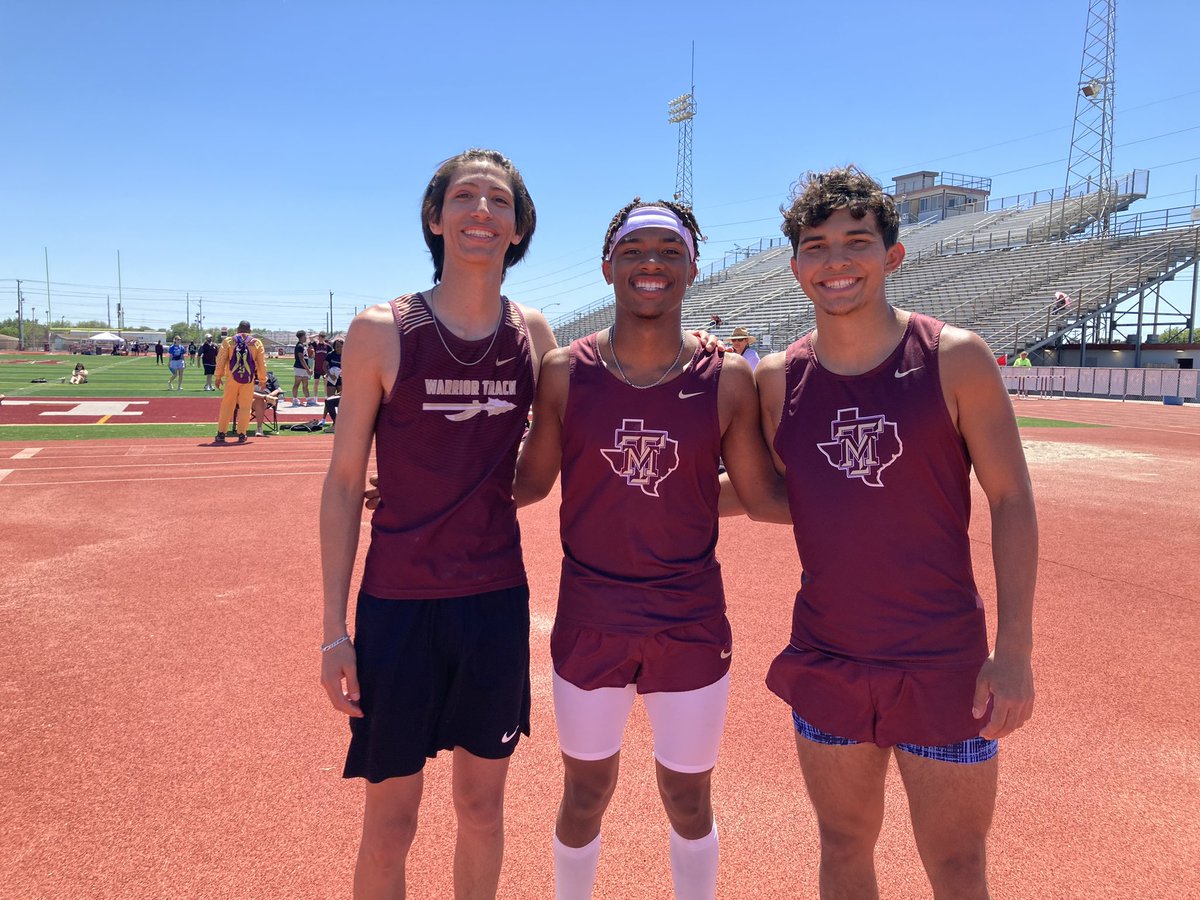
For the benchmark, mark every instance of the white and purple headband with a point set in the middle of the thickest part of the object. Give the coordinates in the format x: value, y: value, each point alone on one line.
x: 653, y: 217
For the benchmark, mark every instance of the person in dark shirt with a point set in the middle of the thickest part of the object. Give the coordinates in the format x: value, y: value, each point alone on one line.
x: 208, y: 358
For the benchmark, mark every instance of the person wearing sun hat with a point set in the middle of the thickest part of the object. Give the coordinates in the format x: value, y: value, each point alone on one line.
x: 742, y: 341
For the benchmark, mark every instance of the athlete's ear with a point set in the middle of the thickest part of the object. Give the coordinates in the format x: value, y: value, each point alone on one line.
x: 692, y: 274
x: 435, y: 221
x: 895, y: 256
x: 606, y: 268
x: 517, y: 238
x: 792, y: 264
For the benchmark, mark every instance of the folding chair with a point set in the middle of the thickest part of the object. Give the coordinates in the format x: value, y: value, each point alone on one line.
x: 270, y: 415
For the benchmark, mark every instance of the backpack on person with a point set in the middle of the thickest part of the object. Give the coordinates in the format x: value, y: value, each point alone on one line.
x: 241, y: 362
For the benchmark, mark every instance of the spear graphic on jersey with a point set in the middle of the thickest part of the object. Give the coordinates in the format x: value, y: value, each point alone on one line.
x: 458, y: 412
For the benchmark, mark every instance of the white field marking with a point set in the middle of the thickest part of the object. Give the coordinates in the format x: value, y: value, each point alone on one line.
x: 4, y: 473
x: 540, y: 623
x: 27, y: 453
x: 169, y: 478
x: 157, y: 465
x: 88, y: 409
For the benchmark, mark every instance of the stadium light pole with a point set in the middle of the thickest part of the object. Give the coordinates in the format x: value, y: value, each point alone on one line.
x: 681, y: 111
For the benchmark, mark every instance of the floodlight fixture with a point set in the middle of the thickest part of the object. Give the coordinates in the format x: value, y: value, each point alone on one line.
x: 681, y: 109
x: 1092, y: 89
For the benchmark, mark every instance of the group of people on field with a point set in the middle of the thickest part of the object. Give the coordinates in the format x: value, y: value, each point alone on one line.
x: 862, y: 436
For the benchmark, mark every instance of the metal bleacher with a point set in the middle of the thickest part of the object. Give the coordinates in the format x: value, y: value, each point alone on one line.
x: 992, y: 271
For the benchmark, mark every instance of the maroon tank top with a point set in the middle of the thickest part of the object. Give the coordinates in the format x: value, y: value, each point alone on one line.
x: 446, y: 442
x: 639, y: 497
x: 878, y: 481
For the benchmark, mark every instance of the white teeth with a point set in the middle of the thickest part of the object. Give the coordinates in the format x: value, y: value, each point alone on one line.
x: 839, y: 283
x: 649, y: 285
x: 471, y: 232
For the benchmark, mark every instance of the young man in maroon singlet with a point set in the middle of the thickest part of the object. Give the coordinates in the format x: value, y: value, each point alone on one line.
x: 639, y: 417
x: 441, y: 381
x: 876, y: 418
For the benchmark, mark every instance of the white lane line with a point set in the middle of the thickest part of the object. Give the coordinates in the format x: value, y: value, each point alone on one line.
x: 4, y: 473
x: 27, y: 453
x: 168, y: 478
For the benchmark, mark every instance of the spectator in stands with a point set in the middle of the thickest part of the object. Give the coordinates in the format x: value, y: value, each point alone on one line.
x: 301, y: 371
x: 877, y: 418
x: 266, y: 397
x: 1061, y: 301
x: 715, y: 321
x: 742, y: 341
x: 208, y: 358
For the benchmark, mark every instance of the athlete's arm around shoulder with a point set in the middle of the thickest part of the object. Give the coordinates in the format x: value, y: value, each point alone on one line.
x: 370, y: 360
x: 541, y: 455
x: 541, y: 336
x: 980, y: 407
x: 757, y: 485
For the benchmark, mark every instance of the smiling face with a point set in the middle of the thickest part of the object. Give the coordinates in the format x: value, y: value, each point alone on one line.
x: 477, y: 222
x: 842, y: 263
x: 650, y: 269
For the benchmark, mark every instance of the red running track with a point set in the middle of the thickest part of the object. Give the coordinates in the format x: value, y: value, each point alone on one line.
x: 163, y: 733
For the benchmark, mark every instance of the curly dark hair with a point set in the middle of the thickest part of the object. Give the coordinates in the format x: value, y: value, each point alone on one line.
x: 818, y: 195
x: 435, y: 195
x: 686, y: 216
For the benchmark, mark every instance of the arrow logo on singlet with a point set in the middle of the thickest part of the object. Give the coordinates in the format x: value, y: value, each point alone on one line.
x: 459, y: 412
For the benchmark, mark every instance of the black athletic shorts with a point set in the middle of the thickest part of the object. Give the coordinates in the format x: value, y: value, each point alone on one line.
x: 439, y: 674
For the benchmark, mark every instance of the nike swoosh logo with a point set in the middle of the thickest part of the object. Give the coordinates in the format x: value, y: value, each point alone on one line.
x: 725, y: 654
x: 683, y: 396
x: 505, y: 362
x: 510, y: 736
x: 900, y: 374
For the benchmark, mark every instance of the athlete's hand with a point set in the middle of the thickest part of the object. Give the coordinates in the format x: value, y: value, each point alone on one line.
x: 371, y: 494
x: 218, y: 383
x: 339, y: 677
x: 710, y: 342
x: 1008, y: 681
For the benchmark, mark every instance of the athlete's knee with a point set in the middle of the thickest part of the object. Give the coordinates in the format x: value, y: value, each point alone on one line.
x: 480, y: 810
x: 960, y: 871
x: 846, y: 838
x: 586, y: 797
x: 386, y: 840
x: 687, y: 800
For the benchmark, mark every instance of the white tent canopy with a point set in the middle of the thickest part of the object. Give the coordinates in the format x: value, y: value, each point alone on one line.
x: 108, y: 336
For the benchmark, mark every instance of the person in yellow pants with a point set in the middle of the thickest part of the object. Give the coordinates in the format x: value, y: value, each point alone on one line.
x: 240, y: 364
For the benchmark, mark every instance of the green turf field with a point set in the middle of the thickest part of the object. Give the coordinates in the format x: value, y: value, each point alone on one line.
x: 1028, y: 422
x: 112, y: 376
x: 108, y: 376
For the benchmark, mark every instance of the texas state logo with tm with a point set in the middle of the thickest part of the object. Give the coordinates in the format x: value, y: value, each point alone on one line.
x: 642, y: 456
x: 862, y: 446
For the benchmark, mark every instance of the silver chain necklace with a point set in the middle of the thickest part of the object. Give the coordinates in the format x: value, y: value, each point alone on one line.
x: 438, y: 329
x: 612, y: 346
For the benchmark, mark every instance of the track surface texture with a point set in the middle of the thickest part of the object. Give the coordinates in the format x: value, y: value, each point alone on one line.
x: 163, y: 733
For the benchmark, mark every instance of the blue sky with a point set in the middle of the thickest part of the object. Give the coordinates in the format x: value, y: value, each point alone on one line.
x: 261, y: 154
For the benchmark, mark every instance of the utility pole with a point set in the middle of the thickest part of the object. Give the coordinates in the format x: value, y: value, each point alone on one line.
x: 108, y: 307
x: 20, y: 318
x: 329, y: 330
x: 119, y: 295
x: 187, y: 308
x: 49, y: 317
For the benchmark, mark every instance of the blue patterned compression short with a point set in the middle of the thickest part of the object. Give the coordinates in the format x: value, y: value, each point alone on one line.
x: 972, y: 750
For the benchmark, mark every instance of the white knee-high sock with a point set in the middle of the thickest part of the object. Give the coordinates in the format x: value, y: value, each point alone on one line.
x: 575, y: 869
x: 694, y: 866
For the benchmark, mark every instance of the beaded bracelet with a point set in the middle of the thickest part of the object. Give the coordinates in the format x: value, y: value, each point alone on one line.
x: 332, y: 644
